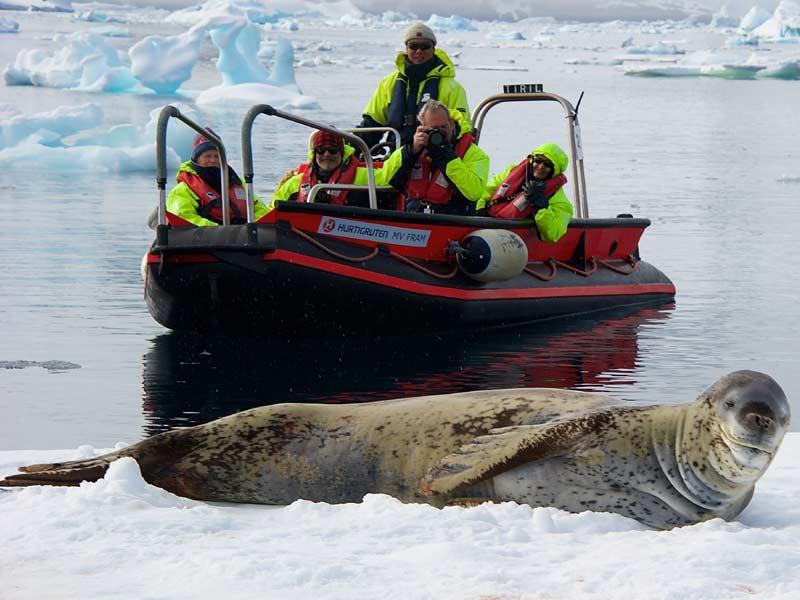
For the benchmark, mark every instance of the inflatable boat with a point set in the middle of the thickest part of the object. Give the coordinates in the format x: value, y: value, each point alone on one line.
x: 322, y: 269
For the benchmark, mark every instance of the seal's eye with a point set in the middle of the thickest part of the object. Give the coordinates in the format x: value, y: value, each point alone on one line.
x: 730, y: 403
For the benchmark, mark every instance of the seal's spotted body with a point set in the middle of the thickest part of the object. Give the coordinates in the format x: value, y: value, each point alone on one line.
x: 663, y: 465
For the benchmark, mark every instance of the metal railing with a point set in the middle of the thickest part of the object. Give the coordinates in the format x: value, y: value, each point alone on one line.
x: 164, y: 116
x: 247, y: 151
x: 575, y: 144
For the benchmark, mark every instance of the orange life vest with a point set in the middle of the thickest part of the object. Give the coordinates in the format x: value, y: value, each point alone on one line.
x: 433, y: 186
x: 211, y: 202
x: 510, y: 189
x: 309, y: 180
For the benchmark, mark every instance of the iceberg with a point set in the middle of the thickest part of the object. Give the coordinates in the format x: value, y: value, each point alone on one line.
x: 83, y: 61
x: 450, y: 23
x: 279, y: 89
x: 37, y: 5
x: 784, y: 24
x: 67, y: 139
x: 163, y: 63
x: 755, y: 17
x: 722, y: 18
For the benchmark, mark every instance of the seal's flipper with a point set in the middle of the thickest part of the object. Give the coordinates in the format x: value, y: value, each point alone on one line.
x: 502, y: 449
x: 67, y: 473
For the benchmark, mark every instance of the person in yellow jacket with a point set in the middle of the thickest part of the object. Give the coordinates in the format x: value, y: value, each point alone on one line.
x: 442, y: 170
x: 533, y: 186
x: 330, y: 160
x: 423, y: 72
x: 197, y: 199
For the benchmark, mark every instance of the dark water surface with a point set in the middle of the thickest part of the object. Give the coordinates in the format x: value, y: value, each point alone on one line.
x: 714, y: 164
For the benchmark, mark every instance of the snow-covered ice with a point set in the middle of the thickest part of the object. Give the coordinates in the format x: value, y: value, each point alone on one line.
x: 122, y: 537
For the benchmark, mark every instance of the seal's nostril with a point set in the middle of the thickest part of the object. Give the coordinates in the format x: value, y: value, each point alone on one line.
x: 761, y: 422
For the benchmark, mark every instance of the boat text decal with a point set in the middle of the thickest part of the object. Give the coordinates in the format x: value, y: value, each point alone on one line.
x: 374, y: 231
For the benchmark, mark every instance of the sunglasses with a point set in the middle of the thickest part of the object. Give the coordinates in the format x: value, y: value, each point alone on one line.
x: 413, y: 46
x: 541, y: 160
x: 328, y: 149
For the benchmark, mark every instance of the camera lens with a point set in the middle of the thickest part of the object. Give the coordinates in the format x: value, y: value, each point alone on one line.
x: 435, y: 137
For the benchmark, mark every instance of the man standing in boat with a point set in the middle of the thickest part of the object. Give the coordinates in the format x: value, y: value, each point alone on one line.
x: 197, y: 199
x: 423, y: 72
x: 330, y: 160
x: 441, y: 170
x: 532, y: 187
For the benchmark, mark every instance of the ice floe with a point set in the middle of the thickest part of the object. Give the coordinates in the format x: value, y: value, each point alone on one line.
x: 8, y: 25
x: 53, y: 366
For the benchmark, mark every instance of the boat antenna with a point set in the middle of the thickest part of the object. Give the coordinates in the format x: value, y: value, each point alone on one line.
x: 578, y: 105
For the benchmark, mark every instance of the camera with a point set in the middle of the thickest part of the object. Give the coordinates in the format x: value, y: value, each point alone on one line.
x: 436, y: 137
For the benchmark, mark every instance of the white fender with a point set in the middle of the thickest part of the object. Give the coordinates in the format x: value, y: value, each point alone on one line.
x: 492, y: 255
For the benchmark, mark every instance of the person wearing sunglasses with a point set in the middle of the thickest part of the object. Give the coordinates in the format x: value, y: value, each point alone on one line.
x: 441, y: 170
x: 423, y: 72
x: 532, y: 187
x: 197, y: 199
x: 330, y: 160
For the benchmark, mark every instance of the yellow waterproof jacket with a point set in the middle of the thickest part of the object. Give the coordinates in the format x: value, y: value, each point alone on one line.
x: 450, y: 93
x: 552, y: 221
x: 182, y: 201
x: 289, y: 186
x: 468, y: 174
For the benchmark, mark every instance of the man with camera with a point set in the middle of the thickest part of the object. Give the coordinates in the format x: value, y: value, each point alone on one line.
x: 442, y: 170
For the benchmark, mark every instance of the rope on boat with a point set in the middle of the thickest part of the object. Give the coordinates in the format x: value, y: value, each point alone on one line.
x: 630, y: 260
x: 568, y: 267
x: 324, y: 248
x: 594, y: 262
x: 550, y: 263
x: 425, y: 270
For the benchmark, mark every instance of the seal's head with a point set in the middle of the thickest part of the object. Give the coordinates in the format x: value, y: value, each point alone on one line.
x: 752, y: 415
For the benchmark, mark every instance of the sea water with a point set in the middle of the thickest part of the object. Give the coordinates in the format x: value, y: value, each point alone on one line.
x: 714, y: 163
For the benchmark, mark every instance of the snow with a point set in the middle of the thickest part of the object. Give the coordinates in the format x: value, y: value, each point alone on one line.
x: 122, y: 537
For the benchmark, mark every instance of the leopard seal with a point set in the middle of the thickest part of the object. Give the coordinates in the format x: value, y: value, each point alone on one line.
x: 663, y: 465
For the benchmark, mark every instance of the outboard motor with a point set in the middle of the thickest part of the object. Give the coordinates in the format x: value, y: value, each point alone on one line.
x: 491, y: 255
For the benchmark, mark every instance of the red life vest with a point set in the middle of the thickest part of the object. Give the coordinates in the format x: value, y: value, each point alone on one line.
x: 434, y: 187
x: 500, y: 205
x: 309, y: 180
x: 211, y: 202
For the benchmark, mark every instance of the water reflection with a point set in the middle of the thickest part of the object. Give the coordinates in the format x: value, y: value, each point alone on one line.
x: 189, y: 380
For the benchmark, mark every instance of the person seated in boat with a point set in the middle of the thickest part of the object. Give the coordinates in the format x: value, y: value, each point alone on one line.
x: 423, y: 71
x: 330, y: 160
x: 197, y: 198
x: 441, y: 170
x: 534, y: 186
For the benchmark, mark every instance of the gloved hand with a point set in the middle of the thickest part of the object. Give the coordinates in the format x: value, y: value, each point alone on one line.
x: 534, y: 193
x: 322, y: 197
x: 441, y: 155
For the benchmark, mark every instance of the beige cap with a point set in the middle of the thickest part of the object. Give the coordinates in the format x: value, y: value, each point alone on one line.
x: 419, y: 31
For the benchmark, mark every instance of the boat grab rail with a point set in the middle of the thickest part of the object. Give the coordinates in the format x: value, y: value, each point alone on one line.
x: 164, y: 116
x: 575, y: 143
x: 266, y: 109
